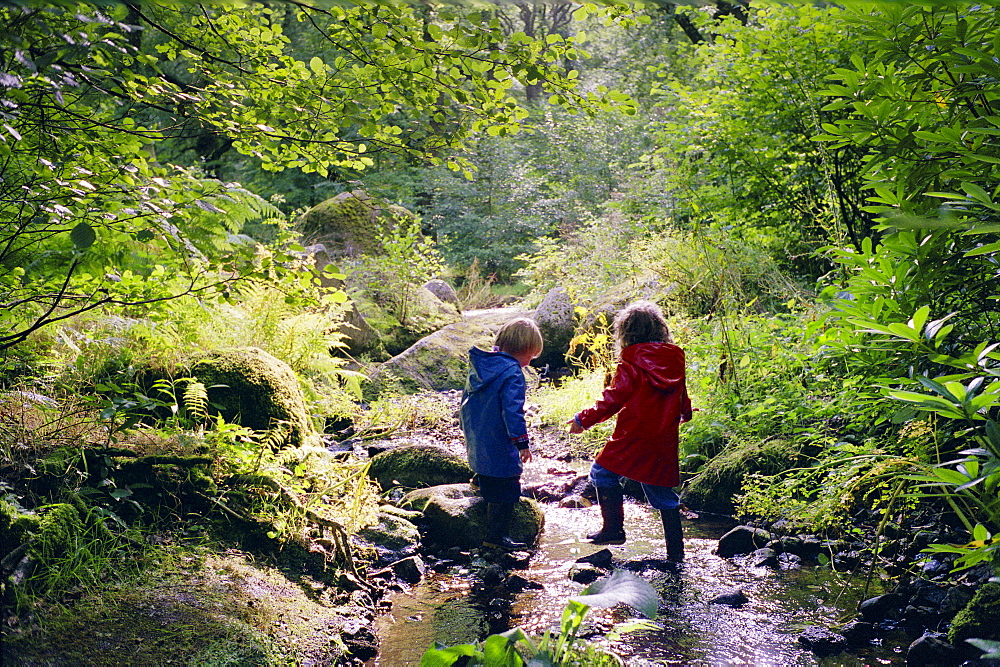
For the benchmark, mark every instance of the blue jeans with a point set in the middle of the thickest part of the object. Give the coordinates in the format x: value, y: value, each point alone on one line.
x: 660, y: 497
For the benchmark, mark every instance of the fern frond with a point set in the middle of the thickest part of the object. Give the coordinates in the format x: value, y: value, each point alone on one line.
x: 196, y: 400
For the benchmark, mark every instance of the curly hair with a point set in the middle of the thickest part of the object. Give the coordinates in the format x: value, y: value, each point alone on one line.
x: 641, y: 322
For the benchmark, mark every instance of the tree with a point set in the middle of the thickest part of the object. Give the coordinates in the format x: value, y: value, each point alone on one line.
x: 92, y: 219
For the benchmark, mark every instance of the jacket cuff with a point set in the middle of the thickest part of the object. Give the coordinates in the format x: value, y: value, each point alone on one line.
x: 520, y: 441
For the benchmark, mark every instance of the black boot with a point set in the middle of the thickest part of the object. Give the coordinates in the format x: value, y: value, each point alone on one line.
x: 613, y: 516
x: 498, y: 517
x: 673, y: 534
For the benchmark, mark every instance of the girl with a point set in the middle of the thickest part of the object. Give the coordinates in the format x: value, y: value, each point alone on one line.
x: 650, y: 397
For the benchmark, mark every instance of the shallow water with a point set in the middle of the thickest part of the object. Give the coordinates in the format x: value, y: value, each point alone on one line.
x: 451, y: 608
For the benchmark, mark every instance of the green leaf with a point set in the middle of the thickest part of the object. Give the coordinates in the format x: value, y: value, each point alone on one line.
x: 83, y: 236
x: 621, y: 587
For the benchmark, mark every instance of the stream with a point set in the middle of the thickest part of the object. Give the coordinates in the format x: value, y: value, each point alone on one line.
x: 455, y: 606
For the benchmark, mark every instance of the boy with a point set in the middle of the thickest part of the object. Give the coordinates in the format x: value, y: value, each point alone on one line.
x: 492, y: 417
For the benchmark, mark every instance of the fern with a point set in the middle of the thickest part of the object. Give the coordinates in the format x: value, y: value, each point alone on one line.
x: 196, y: 400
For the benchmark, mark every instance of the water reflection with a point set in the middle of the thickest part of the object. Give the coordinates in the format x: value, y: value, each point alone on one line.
x: 763, y: 631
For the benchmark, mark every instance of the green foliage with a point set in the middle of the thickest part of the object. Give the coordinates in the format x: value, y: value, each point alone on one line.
x: 514, y: 648
x: 406, y: 260
x: 734, y: 143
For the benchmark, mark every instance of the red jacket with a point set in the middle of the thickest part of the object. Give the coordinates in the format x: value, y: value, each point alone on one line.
x: 649, y: 395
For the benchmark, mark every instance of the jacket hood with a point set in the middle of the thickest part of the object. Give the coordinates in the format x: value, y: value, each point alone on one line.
x: 487, y: 367
x: 662, y: 362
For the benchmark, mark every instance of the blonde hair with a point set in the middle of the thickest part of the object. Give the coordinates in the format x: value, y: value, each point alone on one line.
x: 518, y: 336
x: 641, y: 322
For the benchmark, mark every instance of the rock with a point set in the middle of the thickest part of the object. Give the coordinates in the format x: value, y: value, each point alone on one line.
x: 350, y: 223
x: 878, y: 608
x: 417, y: 499
x: 556, y: 320
x: 416, y: 466
x: 601, y: 559
x: 392, y: 532
x: 712, y: 490
x: 764, y: 558
x: 733, y: 598
x: 931, y: 649
x: 858, y: 633
x: 822, y: 641
x: 254, y: 389
x: 450, y: 521
x: 806, y: 547
x: 955, y: 599
x: 443, y: 291
x: 516, y: 560
x: 438, y: 361
x: 575, y: 501
x: 585, y: 575
x: 411, y: 570
x: 980, y: 619
x: 515, y: 583
x: 742, y: 540
x: 789, y: 561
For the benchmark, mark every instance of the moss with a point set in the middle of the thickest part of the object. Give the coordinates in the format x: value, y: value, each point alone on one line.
x: 350, y: 223
x: 15, y: 525
x: 713, y: 489
x: 980, y: 619
x: 414, y: 466
x: 254, y: 389
x: 193, y: 608
x: 58, y: 530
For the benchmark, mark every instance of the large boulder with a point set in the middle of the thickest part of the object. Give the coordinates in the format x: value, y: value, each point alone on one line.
x: 722, y: 477
x: 556, y: 320
x: 425, y: 314
x: 254, y: 389
x: 436, y: 362
x: 455, y: 516
x: 443, y: 291
x: 350, y: 223
x: 416, y: 466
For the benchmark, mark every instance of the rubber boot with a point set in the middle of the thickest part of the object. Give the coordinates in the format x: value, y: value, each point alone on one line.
x: 613, y: 516
x: 673, y: 534
x: 498, y: 518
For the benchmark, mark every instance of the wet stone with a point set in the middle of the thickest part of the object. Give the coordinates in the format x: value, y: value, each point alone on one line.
x: 601, y: 559
x: 517, y: 560
x: 931, y: 649
x: 858, y: 633
x: 585, y: 575
x: 575, y: 501
x: 516, y: 583
x: 789, y: 561
x: 411, y: 570
x: 822, y: 641
x: 878, y: 608
x: 764, y: 558
x: 731, y: 598
x: 742, y: 540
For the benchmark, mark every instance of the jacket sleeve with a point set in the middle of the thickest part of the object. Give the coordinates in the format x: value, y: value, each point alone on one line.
x: 614, y: 398
x: 512, y: 407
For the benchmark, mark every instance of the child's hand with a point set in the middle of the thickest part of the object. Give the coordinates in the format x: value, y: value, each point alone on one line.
x: 574, y: 426
x: 525, y: 455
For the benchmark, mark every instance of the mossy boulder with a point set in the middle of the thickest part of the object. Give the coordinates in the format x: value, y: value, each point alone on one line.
x: 455, y: 516
x: 426, y: 314
x: 256, y: 390
x: 415, y: 466
x: 712, y: 490
x: 350, y: 223
x: 980, y: 619
x: 58, y: 530
x: 15, y: 525
x: 436, y: 362
x: 393, y: 533
x: 556, y: 320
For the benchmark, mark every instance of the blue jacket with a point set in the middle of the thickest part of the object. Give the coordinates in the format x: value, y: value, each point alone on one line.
x: 492, y: 414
